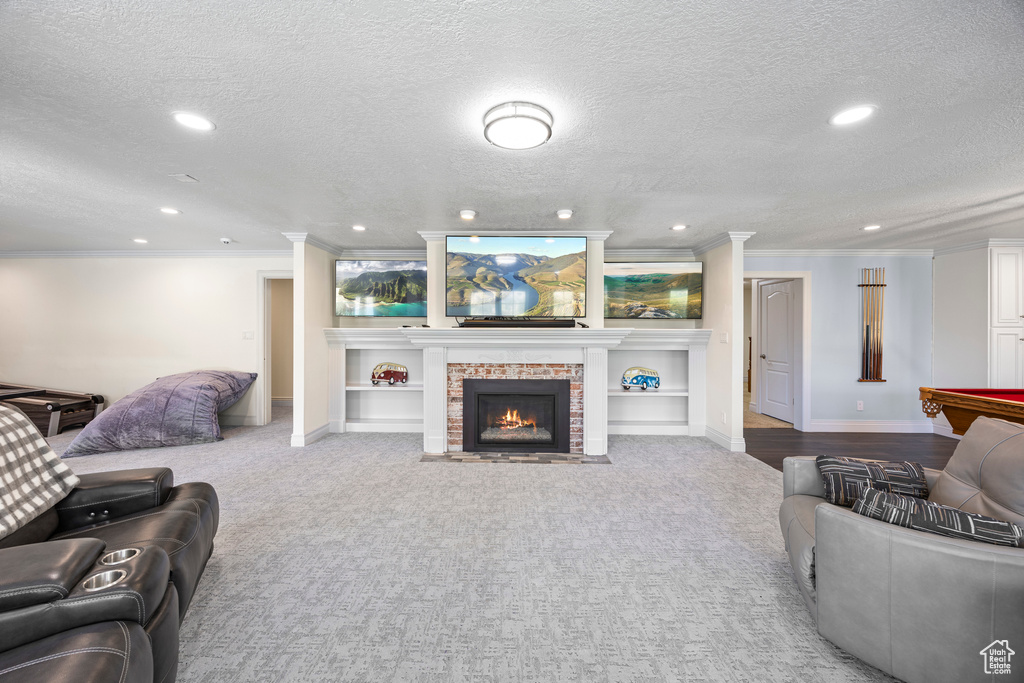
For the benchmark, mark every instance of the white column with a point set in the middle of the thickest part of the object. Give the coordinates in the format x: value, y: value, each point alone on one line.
x: 595, y: 283
x: 336, y: 381
x: 436, y: 273
x: 697, y: 400
x: 595, y: 401
x: 435, y: 399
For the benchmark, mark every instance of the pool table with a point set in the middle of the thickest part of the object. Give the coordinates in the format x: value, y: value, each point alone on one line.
x: 961, y: 406
x: 51, y: 410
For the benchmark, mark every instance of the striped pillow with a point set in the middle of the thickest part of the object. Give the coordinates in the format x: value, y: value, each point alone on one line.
x: 914, y: 513
x: 846, y: 478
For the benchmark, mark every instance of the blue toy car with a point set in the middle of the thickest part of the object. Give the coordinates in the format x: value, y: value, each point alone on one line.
x: 640, y: 377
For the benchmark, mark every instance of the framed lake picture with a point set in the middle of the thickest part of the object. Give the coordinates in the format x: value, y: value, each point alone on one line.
x: 654, y: 290
x: 380, y: 288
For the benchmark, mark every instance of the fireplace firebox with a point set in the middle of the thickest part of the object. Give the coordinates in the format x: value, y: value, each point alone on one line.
x: 515, y: 415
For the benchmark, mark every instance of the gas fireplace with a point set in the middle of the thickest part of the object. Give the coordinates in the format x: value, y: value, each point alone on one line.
x: 511, y: 415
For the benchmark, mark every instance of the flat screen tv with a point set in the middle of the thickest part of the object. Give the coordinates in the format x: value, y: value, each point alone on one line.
x: 535, y: 277
x: 380, y: 288
x: 653, y: 290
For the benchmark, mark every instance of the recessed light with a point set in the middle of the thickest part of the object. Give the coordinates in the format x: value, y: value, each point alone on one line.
x: 194, y: 121
x: 359, y: 228
x: 678, y: 227
x: 169, y: 210
x: 871, y: 227
x: 564, y: 213
x: 474, y: 238
x: 140, y: 241
x: 852, y: 115
x: 467, y: 214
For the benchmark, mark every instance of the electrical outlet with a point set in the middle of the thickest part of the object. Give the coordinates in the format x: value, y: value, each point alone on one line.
x: 860, y: 405
x: 723, y: 417
x: 248, y: 334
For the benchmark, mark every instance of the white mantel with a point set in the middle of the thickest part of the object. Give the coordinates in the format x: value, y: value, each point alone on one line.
x: 589, y: 347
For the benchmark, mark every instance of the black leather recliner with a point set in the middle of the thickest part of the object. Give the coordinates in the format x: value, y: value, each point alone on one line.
x: 111, y: 569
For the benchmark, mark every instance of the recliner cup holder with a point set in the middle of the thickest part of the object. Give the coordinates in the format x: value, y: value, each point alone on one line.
x: 120, y: 556
x: 106, y: 579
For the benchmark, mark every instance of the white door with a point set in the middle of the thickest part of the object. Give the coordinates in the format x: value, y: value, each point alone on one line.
x: 776, y: 364
x: 1006, y: 362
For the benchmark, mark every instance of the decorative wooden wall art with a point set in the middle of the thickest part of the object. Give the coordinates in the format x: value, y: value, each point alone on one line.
x: 872, y: 284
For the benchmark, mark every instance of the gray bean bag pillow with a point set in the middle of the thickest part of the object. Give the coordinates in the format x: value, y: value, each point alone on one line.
x: 178, y: 410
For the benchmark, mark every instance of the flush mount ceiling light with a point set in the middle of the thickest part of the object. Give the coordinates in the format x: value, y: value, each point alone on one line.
x: 853, y: 115
x: 467, y: 214
x: 517, y: 125
x: 564, y: 213
x: 678, y: 227
x: 168, y: 210
x: 871, y: 227
x: 359, y: 228
x: 194, y: 121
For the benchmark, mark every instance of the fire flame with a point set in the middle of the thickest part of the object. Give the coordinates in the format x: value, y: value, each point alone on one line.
x: 511, y: 420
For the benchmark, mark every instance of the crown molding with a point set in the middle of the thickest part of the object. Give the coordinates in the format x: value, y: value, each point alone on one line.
x: 207, y: 253
x: 652, y: 255
x: 313, y: 241
x: 798, y: 253
x: 591, y: 235
x: 383, y: 255
x: 981, y: 244
x: 723, y: 239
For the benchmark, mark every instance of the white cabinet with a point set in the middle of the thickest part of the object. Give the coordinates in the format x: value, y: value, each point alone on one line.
x: 1006, y: 317
x: 1007, y: 287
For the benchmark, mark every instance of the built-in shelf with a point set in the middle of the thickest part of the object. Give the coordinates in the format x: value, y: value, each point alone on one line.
x: 384, y: 386
x: 383, y: 425
x: 649, y: 392
x: 649, y: 427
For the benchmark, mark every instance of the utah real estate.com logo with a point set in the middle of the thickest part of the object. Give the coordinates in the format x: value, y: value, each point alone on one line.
x: 997, y: 657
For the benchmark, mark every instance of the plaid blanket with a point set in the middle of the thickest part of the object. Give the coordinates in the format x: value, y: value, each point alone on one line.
x: 32, y: 478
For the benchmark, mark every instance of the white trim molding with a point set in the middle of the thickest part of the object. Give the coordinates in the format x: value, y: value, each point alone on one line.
x: 313, y: 241
x: 980, y: 244
x: 594, y: 235
x: 647, y: 255
x: 723, y: 239
x: 879, y: 426
x: 735, y: 444
x: 227, y: 252
x: 804, y: 253
x: 299, y: 440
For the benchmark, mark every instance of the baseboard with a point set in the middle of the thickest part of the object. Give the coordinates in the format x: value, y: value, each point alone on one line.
x: 945, y: 430
x: 281, y: 402
x: 882, y: 426
x: 738, y: 445
x: 300, y: 440
x: 237, y: 420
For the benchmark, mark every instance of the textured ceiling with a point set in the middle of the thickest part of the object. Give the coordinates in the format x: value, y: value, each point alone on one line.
x: 710, y: 113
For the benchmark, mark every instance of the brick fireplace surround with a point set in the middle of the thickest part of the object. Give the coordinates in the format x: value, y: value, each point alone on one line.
x: 570, y: 371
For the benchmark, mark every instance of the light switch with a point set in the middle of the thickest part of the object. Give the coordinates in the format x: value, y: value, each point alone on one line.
x: 723, y: 337
x: 249, y: 335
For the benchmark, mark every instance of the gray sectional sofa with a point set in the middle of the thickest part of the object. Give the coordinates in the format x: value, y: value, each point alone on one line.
x: 919, y: 606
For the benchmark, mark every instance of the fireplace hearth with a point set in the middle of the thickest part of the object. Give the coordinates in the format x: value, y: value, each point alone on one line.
x: 521, y: 416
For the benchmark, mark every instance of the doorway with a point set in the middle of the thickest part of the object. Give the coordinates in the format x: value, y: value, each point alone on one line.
x: 276, y: 311
x: 778, y: 315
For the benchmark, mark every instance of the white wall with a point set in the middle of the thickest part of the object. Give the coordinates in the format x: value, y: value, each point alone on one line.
x: 723, y: 313
x: 112, y: 325
x: 314, y: 302
x: 960, y: 345
x: 892, y: 405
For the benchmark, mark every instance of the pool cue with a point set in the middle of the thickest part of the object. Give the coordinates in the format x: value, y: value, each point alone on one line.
x: 881, y: 317
x: 866, y: 326
x: 874, y: 323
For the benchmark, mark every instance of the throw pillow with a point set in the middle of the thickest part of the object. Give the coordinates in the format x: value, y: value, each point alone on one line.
x: 178, y: 410
x: 922, y: 515
x: 845, y: 478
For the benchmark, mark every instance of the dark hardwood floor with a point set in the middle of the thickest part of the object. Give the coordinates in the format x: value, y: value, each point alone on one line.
x: 770, y: 446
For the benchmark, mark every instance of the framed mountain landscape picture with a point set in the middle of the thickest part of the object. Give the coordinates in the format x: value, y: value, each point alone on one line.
x: 654, y: 290
x: 380, y: 288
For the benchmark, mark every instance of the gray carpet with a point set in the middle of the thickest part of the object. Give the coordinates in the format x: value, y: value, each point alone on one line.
x: 351, y: 560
